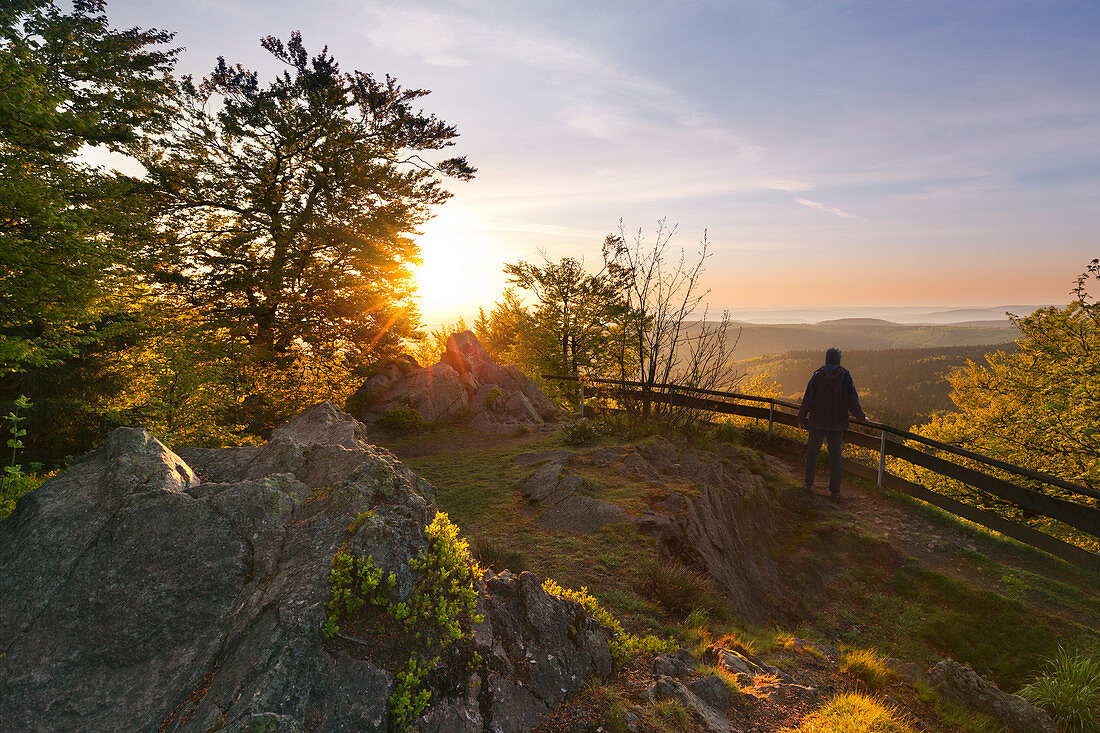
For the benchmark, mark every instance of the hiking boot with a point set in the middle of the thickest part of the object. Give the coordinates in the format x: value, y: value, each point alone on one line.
x: 835, y: 496
x: 808, y: 490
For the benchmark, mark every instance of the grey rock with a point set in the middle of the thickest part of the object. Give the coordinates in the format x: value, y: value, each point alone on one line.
x: 665, y: 665
x: 726, y: 529
x: 133, y: 597
x: 583, y: 515
x: 966, y: 687
x: 711, y: 720
x: 713, y: 691
x: 909, y: 671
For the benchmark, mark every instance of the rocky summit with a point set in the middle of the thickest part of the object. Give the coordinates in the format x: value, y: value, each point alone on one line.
x: 145, y: 590
x: 466, y: 385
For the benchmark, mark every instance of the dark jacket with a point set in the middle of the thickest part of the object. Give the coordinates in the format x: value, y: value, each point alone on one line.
x: 830, y: 397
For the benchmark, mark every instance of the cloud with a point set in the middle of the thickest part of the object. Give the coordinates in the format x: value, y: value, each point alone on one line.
x: 788, y: 185
x: 828, y: 209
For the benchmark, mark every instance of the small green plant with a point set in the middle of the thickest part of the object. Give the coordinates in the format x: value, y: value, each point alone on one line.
x: 361, y: 519
x: 494, y: 399
x: 441, y: 612
x: 410, y: 697
x: 581, y: 433
x: 623, y: 645
x: 354, y: 583
x: 1068, y: 688
x: 13, y: 471
x: 402, y: 419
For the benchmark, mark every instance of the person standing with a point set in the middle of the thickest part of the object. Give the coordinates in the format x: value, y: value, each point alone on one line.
x: 830, y: 397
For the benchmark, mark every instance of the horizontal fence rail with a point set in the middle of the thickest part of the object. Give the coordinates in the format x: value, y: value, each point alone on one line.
x: 1079, y: 516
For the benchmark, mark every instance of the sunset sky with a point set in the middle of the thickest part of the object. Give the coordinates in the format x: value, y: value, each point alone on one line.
x: 838, y: 152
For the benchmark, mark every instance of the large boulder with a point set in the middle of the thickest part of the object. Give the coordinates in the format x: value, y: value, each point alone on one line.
x: 466, y: 385
x: 964, y: 686
x: 138, y: 592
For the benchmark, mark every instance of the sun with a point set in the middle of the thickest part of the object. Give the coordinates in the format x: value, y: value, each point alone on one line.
x: 459, y: 273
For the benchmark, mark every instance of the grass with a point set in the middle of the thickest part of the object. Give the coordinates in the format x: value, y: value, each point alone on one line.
x: 680, y: 589
x: 1068, y: 688
x: 853, y: 713
x: 865, y: 664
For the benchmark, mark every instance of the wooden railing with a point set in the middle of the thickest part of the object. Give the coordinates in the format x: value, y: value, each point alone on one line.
x: 1077, y: 515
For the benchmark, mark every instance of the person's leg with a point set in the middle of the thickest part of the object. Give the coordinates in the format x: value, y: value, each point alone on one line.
x: 813, y: 447
x: 836, y: 450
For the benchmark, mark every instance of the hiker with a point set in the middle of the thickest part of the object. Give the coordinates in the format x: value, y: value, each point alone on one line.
x: 830, y: 397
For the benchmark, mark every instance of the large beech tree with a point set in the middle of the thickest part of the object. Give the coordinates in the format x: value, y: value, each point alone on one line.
x: 70, y: 232
x: 294, y: 204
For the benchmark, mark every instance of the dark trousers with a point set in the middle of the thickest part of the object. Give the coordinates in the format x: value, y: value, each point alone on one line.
x: 835, y: 439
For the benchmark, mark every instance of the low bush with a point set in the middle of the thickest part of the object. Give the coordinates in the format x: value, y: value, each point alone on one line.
x: 402, y: 419
x: 1068, y: 688
x: 580, y: 433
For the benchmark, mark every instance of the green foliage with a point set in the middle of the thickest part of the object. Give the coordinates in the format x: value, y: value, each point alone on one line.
x: 73, y: 234
x: 402, y: 419
x: 354, y: 583
x: 444, y: 606
x: 360, y: 519
x: 1069, y: 689
x: 17, y: 487
x: 13, y: 471
x: 623, y: 645
x: 410, y: 697
x: 1037, y: 407
x: 575, y: 318
x: 440, y: 615
x: 865, y: 664
x: 582, y: 432
x: 295, y: 203
x: 494, y: 399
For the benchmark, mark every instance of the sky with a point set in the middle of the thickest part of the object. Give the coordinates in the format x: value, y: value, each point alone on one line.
x: 835, y: 152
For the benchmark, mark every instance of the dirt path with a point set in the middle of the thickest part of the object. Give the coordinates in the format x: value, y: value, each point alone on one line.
x: 962, y: 551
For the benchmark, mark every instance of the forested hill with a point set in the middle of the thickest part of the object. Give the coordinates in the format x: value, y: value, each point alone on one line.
x: 902, y: 387
x: 864, y: 333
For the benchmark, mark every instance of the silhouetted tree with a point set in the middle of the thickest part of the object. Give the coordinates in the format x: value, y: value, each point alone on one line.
x: 295, y: 204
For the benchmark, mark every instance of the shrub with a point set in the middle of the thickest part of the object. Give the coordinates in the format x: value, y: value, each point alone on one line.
x: 489, y: 554
x: 623, y: 645
x: 402, y: 419
x: 681, y: 589
x: 494, y: 399
x: 581, y: 433
x: 1069, y: 690
x: 852, y: 713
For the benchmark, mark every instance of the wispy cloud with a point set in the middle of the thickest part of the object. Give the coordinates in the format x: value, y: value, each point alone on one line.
x: 835, y: 211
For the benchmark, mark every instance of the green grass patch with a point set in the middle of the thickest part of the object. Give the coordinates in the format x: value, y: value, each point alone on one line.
x: 1069, y: 689
x: 853, y: 713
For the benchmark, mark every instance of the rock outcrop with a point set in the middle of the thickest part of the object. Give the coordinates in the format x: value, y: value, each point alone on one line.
x: 554, y: 487
x: 144, y: 590
x: 721, y: 522
x: 466, y: 385
x: 966, y: 687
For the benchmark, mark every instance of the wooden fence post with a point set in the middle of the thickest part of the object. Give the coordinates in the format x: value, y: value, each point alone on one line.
x: 882, y: 459
x: 771, y: 414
